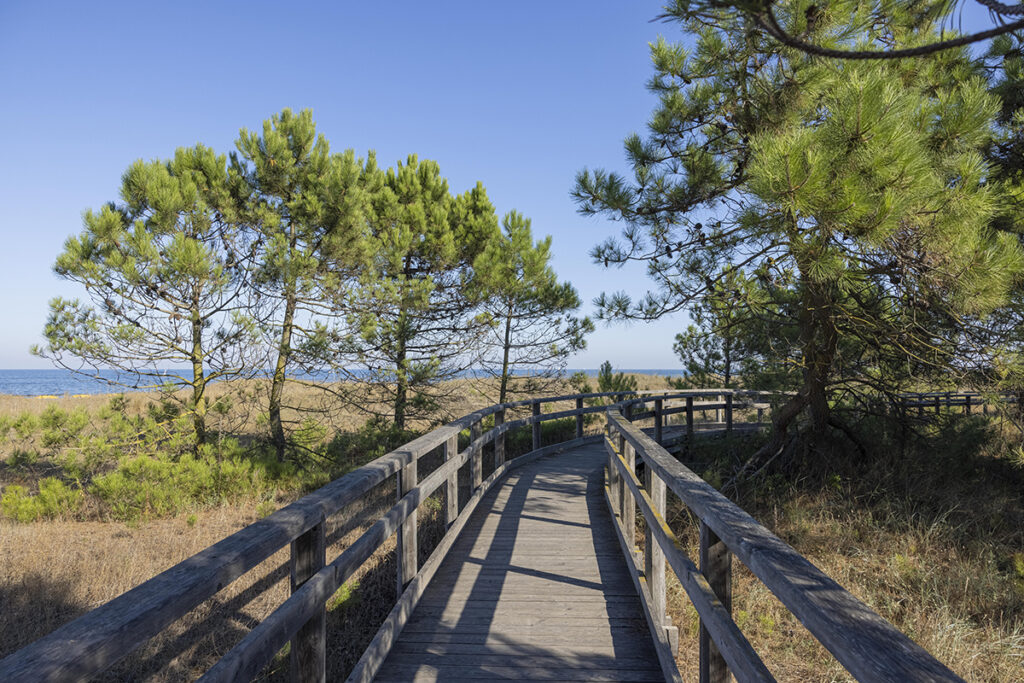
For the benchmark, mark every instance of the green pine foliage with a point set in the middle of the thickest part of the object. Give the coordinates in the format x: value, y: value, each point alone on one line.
x: 305, y: 209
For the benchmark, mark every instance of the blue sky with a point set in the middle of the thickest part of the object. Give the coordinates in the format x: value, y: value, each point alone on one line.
x: 517, y: 95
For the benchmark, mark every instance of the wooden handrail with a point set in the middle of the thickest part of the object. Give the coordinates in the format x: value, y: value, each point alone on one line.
x: 867, y: 645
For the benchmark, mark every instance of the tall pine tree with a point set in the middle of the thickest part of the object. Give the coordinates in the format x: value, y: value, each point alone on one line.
x: 308, y: 208
x: 167, y: 271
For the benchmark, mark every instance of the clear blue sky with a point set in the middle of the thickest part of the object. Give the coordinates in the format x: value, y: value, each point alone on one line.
x: 517, y: 95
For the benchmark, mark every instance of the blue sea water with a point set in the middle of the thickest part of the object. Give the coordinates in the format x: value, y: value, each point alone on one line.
x: 57, y: 382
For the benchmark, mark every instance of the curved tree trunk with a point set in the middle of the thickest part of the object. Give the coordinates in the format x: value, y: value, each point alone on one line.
x: 277, y: 382
x: 504, y: 361
x: 198, y: 383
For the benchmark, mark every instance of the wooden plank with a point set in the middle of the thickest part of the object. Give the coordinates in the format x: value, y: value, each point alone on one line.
x: 407, y: 548
x: 716, y: 565
x: 451, y: 511
x: 520, y: 660
x: 525, y: 671
x: 532, y: 585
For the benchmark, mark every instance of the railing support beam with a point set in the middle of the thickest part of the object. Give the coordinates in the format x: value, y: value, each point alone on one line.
x: 689, y: 425
x: 499, y: 441
x: 579, y: 418
x: 308, y: 658
x: 658, y: 420
x: 728, y: 414
x: 407, y: 553
x: 476, y: 459
x: 536, y: 425
x: 716, y: 565
x: 654, y: 559
x: 451, y: 486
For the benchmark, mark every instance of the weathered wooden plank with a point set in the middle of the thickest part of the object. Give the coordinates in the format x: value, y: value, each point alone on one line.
x: 526, y: 670
x: 530, y: 660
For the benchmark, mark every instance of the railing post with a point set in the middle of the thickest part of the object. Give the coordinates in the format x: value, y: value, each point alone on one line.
x: 579, y: 417
x: 627, y: 501
x: 658, y: 430
x: 689, y: 425
x: 654, y: 559
x: 716, y: 565
x: 728, y: 414
x: 967, y: 404
x: 476, y: 457
x: 938, y: 404
x: 499, y: 440
x: 309, y: 645
x: 451, y: 449
x: 536, y: 425
x: 406, y: 550
x: 613, y: 472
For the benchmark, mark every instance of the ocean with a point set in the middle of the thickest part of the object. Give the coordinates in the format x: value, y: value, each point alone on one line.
x: 57, y: 382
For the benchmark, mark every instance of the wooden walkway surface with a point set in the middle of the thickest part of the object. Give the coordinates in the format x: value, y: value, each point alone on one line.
x: 535, y: 588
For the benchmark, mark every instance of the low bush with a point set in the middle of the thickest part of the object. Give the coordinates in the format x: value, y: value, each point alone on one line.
x: 55, y: 499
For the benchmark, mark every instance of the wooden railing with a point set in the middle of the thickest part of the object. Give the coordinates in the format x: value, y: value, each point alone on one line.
x: 937, y: 400
x: 869, y: 647
x: 97, y: 640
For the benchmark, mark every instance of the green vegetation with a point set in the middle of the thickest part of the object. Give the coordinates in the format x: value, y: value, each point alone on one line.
x: 118, y: 463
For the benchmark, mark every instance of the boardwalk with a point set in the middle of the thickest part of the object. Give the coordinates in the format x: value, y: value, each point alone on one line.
x: 535, y: 588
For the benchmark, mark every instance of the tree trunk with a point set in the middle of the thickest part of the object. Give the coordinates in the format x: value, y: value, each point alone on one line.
x: 198, y: 382
x: 401, y: 379
x: 504, y: 360
x: 820, y: 341
x: 284, y: 352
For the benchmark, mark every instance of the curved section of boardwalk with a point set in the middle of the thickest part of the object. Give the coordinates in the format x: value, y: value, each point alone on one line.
x: 535, y: 588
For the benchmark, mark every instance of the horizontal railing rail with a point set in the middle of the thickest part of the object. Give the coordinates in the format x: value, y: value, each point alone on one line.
x: 97, y: 640
x: 863, y: 642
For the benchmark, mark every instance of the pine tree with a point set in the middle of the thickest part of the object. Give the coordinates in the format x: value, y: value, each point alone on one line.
x: 308, y: 208
x: 531, y: 311
x: 167, y: 273
x: 857, y: 187
x: 417, y: 311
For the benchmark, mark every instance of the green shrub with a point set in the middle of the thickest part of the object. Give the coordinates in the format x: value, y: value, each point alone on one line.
x: 55, y: 499
x: 349, y: 450
x: 18, y: 504
x: 145, y: 486
x: 25, y: 425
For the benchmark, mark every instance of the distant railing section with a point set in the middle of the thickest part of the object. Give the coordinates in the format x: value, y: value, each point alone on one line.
x: 926, y: 402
